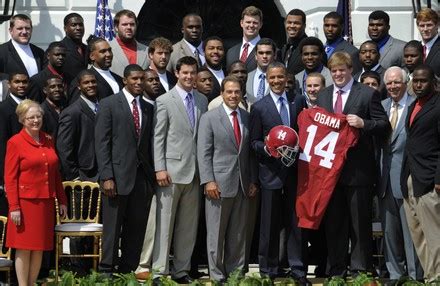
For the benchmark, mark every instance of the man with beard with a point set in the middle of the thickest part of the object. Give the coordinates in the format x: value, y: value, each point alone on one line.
x: 369, y: 57
x: 312, y: 55
x: 101, y: 57
x: 159, y: 53
x: 333, y: 28
x: 191, y: 44
x: 251, y: 23
x: 76, y: 50
x: 53, y: 104
x: 126, y: 50
x: 56, y: 56
x: 295, y: 25
x: 214, y: 55
x: 18, y: 84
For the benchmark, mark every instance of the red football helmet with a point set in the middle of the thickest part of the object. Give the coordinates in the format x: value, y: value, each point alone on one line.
x: 282, y: 142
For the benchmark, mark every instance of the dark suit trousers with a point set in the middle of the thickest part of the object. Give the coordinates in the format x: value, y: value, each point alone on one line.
x: 125, y: 217
x: 348, y: 217
x: 278, y: 212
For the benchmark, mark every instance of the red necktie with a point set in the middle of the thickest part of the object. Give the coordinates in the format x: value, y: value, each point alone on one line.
x: 244, y: 54
x: 338, y: 104
x: 80, y: 50
x: 137, y: 123
x: 424, y: 53
x: 417, y: 108
x: 237, y: 131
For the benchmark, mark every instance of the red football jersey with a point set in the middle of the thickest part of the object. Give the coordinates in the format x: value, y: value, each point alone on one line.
x: 324, y: 139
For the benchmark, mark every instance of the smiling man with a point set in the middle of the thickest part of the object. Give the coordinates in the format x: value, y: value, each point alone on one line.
x: 427, y: 24
x: 214, y: 54
x: 251, y: 23
x: 224, y: 144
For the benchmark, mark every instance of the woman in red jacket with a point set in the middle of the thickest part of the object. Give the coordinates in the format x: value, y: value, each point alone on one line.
x: 32, y: 182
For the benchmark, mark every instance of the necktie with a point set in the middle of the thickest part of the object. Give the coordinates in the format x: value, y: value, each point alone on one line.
x: 237, y: 131
x: 261, y: 86
x: 137, y: 123
x: 80, y: 50
x: 190, y: 109
x: 283, y: 112
x: 96, y: 107
x: 244, y: 54
x: 394, y: 115
x: 338, y: 104
x: 197, y: 56
x: 288, y: 54
x: 424, y: 53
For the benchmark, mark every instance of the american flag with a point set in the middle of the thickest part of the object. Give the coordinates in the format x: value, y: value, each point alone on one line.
x: 344, y: 9
x: 104, y: 21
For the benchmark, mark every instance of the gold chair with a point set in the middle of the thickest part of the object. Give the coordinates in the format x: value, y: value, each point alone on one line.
x: 6, y: 263
x: 82, y: 220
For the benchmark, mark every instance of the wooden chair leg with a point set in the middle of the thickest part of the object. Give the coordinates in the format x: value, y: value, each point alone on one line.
x: 95, y: 252
x: 57, y: 250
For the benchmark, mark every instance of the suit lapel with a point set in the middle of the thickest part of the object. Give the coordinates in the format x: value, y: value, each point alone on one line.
x: 15, y: 55
x: 352, y: 99
x: 327, y: 99
x: 386, y: 48
x: 224, y: 119
x: 144, y: 114
x: 433, y: 52
x: 245, y: 123
x: 181, y: 107
x: 401, y: 123
x: 426, y: 108
x: 126, y: 110
x: 86, y: 109
x: 272, y: 109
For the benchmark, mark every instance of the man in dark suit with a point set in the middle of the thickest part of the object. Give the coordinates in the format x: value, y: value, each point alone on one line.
x: 277, y: 182
x: 159, y: 52
x: 390, y: 48
x: 333, y: 28
x: 295, y: 25
x: 56, y: 56
x: 428, y: 23
x: 76, y: 50
x: 350, y: 206
x: 400, y: 255
x: 420, y: 178
x: 251, y: 23
x: 214, y: 55
x: 123, y: 152
x: 18, y: 84
x: 53, y: 104
x: 75, y: 139
x: 18, y: 55
x: 101, y: 57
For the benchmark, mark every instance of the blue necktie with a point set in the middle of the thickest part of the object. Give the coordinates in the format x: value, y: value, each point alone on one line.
x: 190, y: 109
x: 261, y: 86
x: 283, y: 112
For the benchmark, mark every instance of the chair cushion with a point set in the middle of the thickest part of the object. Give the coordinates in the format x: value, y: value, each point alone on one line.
x: 79, y: 227
x: 6, y: 262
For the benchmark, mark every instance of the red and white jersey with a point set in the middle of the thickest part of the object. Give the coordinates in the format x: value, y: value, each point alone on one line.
x: 324, y: 139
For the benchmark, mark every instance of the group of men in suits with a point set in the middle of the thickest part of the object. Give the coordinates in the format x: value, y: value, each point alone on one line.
x: 221, y: 153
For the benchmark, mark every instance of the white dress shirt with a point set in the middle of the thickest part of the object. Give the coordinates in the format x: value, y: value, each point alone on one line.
x: 109, y: 79
x: 27, y: 57
x: 346, y: 89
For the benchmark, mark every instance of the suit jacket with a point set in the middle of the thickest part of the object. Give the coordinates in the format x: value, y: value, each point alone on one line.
x: 233, y: 55
x: 392, y: 153
x: 171, y: 129
x: 10, y: 61
x: 120, y: 60
x: 37, y: 82
x: 9, y: 126
x: 104, y: 89
x: 421, y: 159
x: 75, y: 141
x: 50, y: 119
x: 345, y: 46
x: 75, y: 62
x: 32, y: 170
x: 299, y: 78
x: 220, y: 158
x: 172, y: 80
x: 180, y: 49
x: 264, y: 116
x: 118, y: 152
x: 294, y: 63
x: 433, y: 58
x: 363, y: 101
x: 252, y: 98
x: 392, y: 53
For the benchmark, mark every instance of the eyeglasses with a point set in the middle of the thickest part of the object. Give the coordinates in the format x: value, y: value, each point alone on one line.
x: 33, y: 118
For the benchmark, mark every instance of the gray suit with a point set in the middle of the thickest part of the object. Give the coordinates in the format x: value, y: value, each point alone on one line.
x: 180, y: 50
x: 399, y: 247
x: 222, y: 161
x: 299, y: 77
x: 392, y: 53
x: 178, y: 205
x: 120, y: 60
x: 252, y: 98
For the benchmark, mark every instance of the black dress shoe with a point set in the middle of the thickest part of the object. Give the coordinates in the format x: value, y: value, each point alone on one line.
x: 196, y: 274
x: 184, y: 280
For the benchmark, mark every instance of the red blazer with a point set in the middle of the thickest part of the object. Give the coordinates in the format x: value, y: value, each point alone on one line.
x: 32, y: 170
